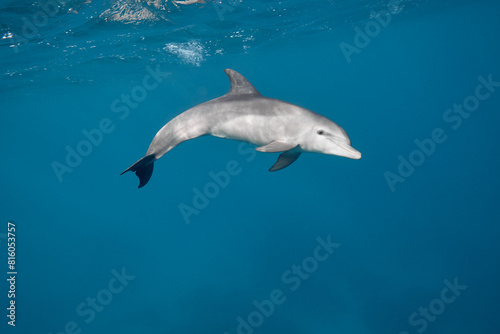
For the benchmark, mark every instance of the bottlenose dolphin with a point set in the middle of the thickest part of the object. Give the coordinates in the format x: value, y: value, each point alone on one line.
x: 243, y: 114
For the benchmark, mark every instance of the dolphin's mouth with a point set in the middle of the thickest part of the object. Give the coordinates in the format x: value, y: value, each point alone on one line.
x: 350, y: 152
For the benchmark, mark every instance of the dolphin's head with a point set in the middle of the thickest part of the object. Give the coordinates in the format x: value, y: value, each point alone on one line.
x: 326, y: 137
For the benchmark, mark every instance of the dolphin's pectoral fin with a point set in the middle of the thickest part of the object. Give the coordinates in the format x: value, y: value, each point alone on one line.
x: 143, y: 169
x: 276, y: 146
x: 285, y: 159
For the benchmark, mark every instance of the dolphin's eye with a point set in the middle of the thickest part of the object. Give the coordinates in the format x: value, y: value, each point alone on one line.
x: 320, y: 132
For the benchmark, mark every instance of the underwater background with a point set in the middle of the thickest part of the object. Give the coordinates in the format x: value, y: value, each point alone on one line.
x: 405, y: 240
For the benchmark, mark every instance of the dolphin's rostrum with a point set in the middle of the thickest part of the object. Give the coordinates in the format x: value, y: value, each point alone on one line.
x: 243, y: 114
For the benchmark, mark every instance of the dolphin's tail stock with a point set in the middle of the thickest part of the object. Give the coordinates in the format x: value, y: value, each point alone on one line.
x: 143, y: 169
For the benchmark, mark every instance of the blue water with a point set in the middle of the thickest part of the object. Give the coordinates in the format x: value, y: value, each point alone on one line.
x: 405, y: 240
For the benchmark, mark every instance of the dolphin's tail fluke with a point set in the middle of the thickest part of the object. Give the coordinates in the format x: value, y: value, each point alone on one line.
x: 143, y: 169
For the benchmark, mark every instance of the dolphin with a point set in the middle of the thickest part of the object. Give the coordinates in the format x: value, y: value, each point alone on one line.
x: 243, y: 114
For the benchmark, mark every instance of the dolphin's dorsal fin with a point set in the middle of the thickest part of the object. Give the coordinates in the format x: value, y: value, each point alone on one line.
x: 239, y: 84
